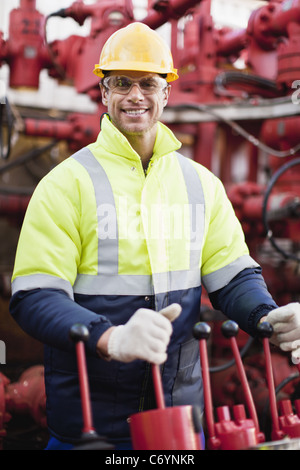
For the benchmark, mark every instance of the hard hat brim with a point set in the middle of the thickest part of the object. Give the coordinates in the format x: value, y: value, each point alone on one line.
x: 136, y: 66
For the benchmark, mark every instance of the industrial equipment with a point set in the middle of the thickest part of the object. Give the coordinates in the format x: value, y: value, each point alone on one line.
x: 166, y: 428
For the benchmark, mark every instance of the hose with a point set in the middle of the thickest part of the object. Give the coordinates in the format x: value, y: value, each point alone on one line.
x: 241, y: 78
x: 10, y: 122
x: 271, y: 184
x: 230, y: 363
x: 31, y: 155
x: 61, y: 72
x: 239, y: 130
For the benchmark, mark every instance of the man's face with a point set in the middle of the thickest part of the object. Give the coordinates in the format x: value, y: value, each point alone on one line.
x: 135, y: 113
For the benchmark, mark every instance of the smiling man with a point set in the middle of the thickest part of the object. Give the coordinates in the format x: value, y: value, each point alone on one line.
x: 120, y: 237
x: 135, y: 105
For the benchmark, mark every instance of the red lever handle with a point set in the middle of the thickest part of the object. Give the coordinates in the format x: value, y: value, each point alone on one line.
x: 265, y: 331
x: 230, y: 330
x: 79, y: 334
x: 158, y: 388
x: 201, y: 331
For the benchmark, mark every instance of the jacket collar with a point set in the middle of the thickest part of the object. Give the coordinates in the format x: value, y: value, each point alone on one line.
x: 114, y: 141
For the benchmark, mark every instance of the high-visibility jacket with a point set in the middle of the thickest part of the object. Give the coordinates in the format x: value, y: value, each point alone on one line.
x: 102, y: 238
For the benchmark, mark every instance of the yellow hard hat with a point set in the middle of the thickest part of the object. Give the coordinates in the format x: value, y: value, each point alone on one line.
x: 136, y: 47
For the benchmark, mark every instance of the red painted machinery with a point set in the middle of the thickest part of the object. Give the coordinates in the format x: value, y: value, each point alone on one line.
x: 174, y: 428
x: 166, y: 428
x: 236, y: 110
x: 24, y: 397
x: 241, y: 432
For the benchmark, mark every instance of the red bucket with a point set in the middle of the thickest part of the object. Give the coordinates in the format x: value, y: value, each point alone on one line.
x: 166, y: 429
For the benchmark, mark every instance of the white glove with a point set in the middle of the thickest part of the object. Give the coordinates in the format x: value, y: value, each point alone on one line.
x: 286, y: 325
x: 145, y: 336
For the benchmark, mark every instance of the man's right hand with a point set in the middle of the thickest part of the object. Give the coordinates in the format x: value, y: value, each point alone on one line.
x: 145, y: 336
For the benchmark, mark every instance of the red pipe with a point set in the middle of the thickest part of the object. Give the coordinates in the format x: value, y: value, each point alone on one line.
x: 42, y: 127
x: 28, y: 5
x: 284, y: 14
x: 174, y: 10
x: 11, y: 205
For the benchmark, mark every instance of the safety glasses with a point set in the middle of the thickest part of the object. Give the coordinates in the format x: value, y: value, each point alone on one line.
x: 123, y: 85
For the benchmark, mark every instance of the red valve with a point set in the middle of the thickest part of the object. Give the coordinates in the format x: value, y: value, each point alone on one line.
x: 236, y: 434
x: 25, y: 51
x: 227, y: 434
x: 165, y: 428
x: 288, y: 424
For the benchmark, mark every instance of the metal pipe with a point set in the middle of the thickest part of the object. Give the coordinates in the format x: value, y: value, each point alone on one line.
x: 172, y: 10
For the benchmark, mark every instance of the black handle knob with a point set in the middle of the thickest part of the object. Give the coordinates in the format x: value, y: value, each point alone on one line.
x: 79, y: 332
x: 229, y: 329
x: 264, y: 329
x: 201, y: 330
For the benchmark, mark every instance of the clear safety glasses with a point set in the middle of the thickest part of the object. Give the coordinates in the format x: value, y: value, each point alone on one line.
x: 122, y: 84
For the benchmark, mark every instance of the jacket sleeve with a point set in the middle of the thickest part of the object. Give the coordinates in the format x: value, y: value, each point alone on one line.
x: 225, y: 252
x: 245, y: 299
x: 48, y: 315
x: 48, y: 256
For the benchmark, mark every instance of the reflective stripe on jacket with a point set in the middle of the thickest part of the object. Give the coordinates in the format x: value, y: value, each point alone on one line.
x: 125, y: 232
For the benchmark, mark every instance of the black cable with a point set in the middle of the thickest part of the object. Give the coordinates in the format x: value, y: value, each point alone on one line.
x: 62, y: 13
x: 236, y: 77
x: 283, y: 383
x: 29, y: 156
x: 230, y: 363
x: 271, y: 184
x: 9, y: 122
x: 32, y: 154
x: 57, y: 66
x: 238, y: 129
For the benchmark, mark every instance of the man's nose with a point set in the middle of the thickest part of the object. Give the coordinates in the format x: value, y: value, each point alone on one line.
x: 135, y: 92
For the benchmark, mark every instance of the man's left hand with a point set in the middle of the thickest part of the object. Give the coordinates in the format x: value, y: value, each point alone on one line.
x: 286, y: 325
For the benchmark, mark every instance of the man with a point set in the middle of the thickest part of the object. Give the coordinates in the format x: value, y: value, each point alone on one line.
x: 120, y: 237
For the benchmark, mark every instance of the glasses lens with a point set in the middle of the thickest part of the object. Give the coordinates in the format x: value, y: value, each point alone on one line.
x: 122, y: 84
x: 150, y: 85
x: 118, y: 84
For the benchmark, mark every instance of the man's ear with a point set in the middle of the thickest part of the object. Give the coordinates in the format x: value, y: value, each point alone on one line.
x: 103, y: 94
x: 166, y: 92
